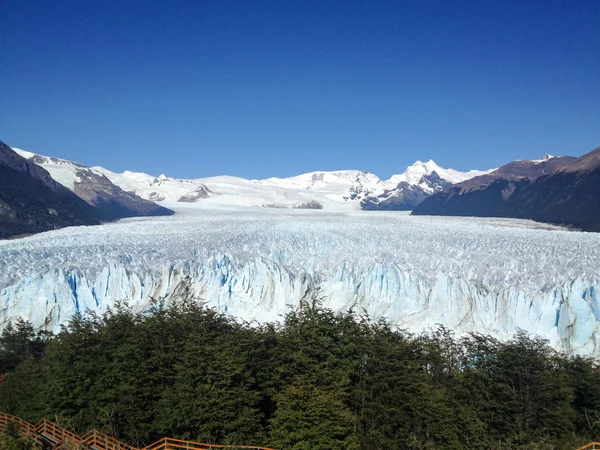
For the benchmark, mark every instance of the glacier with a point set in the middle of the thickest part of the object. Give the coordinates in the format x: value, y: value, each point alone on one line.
x: 494, y: 276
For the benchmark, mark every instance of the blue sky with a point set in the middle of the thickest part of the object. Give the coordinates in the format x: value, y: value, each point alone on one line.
x: 276, y: 88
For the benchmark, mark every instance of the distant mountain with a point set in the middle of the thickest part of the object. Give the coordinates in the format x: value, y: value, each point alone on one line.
x: 110, y: 202
x: 405, y: 196
x: 561, y: 190
x: 413, y: 174
x: 32, y: 202
x: 343, y: 189
x: 157, y: 189
x: 330, y: 188
x: 418, y: 182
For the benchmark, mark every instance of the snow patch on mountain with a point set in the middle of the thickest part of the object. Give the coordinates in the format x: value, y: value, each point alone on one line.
x: 24, y: 153
x: 92, y: 186
x: 63, y: 171
x: 545, y: 158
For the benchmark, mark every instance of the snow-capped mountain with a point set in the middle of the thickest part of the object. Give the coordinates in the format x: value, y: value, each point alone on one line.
x: 330, y: 189
x: 118, y: 193
x: 31, y: 201
x: 343, y: 189
x: 109, y: 201
x: 418, y: 170
x: 418, y: 182
x: 406, y: 196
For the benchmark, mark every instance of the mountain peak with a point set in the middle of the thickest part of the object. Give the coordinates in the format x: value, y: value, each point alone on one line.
x: 545, y: 158
x: 428, y: 165
x: 418, y: 162
x: 414, y: 173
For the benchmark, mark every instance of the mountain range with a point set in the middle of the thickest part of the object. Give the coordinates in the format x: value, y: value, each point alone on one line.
x: 103, y: 195
x: 40, y: 193
x: 337, y: 190
x: 560, y: 190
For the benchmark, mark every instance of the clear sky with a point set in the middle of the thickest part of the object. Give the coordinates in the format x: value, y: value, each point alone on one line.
x: 277, y: 88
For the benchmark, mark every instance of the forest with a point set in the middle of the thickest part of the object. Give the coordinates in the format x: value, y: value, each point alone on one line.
x: 315, y: 380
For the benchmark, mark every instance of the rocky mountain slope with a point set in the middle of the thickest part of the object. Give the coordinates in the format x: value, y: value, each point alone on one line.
x: 562, y: 190
x: 406, y: 196
x: 109, y: 201
x: 32, y: 202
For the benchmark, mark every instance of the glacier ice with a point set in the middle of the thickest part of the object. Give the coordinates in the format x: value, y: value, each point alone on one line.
x: 494, y: 276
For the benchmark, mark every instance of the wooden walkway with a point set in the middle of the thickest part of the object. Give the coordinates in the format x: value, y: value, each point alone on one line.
x: 53, y: 437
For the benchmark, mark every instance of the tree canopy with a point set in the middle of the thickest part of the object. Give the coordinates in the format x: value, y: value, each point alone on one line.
x: 316, y: 380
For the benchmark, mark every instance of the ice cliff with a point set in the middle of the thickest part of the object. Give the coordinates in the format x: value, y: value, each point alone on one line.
x: 487, y: 275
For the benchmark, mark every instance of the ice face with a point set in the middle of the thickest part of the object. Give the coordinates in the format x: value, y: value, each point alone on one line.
x: 493, y: 276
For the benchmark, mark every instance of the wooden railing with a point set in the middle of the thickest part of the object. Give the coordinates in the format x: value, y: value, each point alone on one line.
x: 53, y: 432
x: 97, y: 439
x: 56, y: 437
x: 591, y: 446
x: 24, y: 427
x: 170, y: 443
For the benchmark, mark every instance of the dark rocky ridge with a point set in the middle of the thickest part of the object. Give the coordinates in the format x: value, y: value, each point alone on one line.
x: 197, y: 194
x: 405, y: 196
x: 32, y: 202
x: 312, y: 204
x: 110, y: 202
x: 563, y: 191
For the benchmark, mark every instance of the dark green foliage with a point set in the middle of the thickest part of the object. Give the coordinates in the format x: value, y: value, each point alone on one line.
x: 519, y: 388
x: 18, y: 342
x: 213, y: 395
x: 404, y: 398
x: 13, y: 439
x: 319, y: 380
x: 584, y: 378
x: 313, y: 400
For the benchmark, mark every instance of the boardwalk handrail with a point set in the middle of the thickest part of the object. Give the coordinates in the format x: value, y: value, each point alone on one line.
x: 57, y: 433
x: 97, y: 439
x: 590, y: 446
x: 171, y: 443
x: 55, y: 436
x: 25, y: 426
